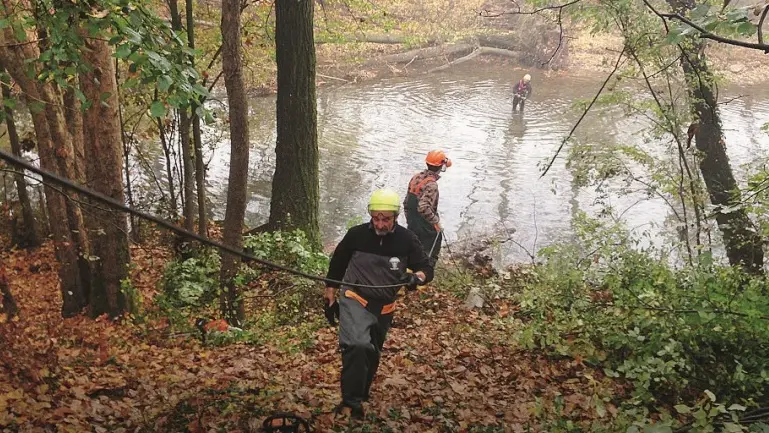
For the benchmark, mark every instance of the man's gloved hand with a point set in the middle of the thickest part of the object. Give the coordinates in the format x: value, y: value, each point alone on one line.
x: 331, y: 311
x: 411, y: 281
x: 330, y: 305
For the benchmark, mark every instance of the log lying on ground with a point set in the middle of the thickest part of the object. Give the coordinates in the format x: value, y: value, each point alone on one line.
x: 506, y: 42
x: 477, y: 52
x: 384, y: 38
x: 381, y: 39
x: 424, y: 53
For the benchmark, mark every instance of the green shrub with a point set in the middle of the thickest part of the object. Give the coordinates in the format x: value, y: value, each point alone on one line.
x: 294, y: 297
x: 191, y: 283
x: 673, y: 333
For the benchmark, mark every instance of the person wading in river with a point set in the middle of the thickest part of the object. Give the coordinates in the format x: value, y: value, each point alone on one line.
x: 376, y: 253
x: 521, y: 92
x: 421, y: 204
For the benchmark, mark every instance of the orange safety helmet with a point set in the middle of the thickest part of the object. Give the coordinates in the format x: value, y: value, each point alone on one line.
x: 437, y: 158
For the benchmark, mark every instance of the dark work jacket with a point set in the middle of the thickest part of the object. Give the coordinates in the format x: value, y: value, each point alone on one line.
x: 363, y: 257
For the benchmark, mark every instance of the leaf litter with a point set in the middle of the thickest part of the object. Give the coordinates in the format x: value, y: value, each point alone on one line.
x: 443, y: 369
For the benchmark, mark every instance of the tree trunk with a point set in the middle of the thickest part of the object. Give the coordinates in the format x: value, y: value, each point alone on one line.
x: 135, y: 232
x: 74, y: 117
x: 189, y: 176
x: 231, y: 303
x: 56, y: 154
x: 108, y: 231
x: 169, y: 173
x: 29, y: 236
x: 200, y: 175
x: 65, y: 155
x: 44, y: 222
x: 743, y: 244
x: 188, y: 206
x: 197, y: 139
x: 7, y: 303
x: 295, y: 185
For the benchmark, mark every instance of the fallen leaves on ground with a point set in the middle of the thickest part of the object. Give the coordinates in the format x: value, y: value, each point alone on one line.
x: 443, y: 369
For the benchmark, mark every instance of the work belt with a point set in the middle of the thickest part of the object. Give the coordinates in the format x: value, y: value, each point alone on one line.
x: 373, y: 306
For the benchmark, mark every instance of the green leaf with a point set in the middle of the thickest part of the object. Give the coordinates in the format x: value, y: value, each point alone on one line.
x: 10, y: 103
x: 164, y: 83
x: 5, y: 22
x: 200, y: 90
x: 674, y: 37
x: 80, y: 96
x: 700, y: 11
x: 737, y: 407
x: 19, y: 33
x: 710, y: 395
x: 711, y: 26
x: 158, y: 109
x: 746, y: 29
x: 133, y: 36
x: 123, y: 51
x: 682, y: 408
x: 600, y: 409
x: 205, y: 115
x: 131, y: 83
x: 36, y: 106
x: 658, y: 429
x: 159, y: 61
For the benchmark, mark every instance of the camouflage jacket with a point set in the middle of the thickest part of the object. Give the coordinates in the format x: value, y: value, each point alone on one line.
x: 425, y: 186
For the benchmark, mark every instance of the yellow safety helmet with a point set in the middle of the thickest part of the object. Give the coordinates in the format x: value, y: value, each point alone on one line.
x: 384, y: 200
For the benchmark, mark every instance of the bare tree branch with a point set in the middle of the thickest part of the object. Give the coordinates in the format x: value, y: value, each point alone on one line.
x: 761, y: 24
x: 587, y: 109
x: 705, y: 34
x: 21, y: 44
x: 560, y: 38
x: 486, y: 14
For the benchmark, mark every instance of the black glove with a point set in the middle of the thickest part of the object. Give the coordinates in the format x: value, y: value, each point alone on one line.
x: 411, y: 281
x: 331, y: 311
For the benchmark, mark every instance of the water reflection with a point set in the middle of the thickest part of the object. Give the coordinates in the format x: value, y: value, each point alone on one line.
x: 376, y: 135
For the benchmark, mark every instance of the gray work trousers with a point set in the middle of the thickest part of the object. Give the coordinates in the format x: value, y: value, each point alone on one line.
x: 362, y: 332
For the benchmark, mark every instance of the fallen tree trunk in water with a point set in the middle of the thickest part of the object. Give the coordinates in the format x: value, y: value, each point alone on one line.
x: 479, y: 51
x: 425, y: 53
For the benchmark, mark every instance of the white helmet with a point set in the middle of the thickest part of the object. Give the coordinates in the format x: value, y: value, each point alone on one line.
x: 527, y: 78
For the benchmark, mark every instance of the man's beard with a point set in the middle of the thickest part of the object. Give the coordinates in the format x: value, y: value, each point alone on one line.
x: 382, y: 232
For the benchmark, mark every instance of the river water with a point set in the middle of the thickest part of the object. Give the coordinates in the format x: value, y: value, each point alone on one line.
x: 376, y: 135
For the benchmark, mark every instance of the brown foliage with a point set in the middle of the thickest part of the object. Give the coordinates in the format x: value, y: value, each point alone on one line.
x: 441, y: 371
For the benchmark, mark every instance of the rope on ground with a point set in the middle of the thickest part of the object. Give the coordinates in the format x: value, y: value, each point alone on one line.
x: 111, y: 202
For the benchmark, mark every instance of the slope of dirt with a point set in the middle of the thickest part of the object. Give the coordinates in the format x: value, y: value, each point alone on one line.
x: 443, y: 369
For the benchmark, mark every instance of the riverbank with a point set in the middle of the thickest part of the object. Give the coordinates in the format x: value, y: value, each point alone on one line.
x: 586, y: 55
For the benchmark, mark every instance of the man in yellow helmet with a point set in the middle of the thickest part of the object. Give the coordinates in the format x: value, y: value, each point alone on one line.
x: 421, y: 204
x: 376, y: 253
x: 521, y: 92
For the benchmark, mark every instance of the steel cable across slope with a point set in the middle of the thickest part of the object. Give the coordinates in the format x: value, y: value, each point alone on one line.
x: 12, y: 159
